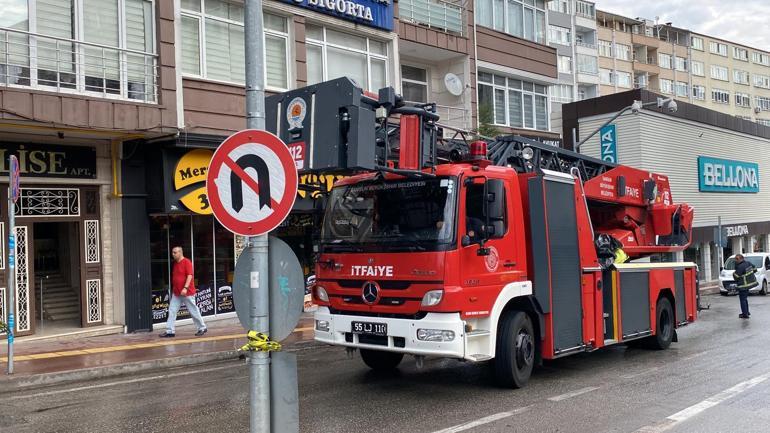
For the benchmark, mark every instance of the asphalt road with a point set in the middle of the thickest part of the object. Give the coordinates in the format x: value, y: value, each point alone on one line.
x: 716, y: 379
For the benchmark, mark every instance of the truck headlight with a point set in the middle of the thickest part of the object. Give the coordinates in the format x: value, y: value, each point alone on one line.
x: 432, y: 298
x: 322, y: 325
x: 321, y: 294
x: 436, y: 335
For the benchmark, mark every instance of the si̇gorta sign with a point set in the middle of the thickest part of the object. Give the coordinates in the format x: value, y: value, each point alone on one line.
x: 374, y: 13
x: 724, y: 175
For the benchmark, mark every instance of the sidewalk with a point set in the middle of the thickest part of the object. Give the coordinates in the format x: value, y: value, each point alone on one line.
x: 49, y: 361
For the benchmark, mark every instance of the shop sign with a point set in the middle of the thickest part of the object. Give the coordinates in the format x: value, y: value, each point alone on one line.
x: 375, y: 13
x: 733, y: 231
x: 190, y: 180
x: 608, y: 140
x: 724, y: 175
x: 50, y: 160
x: 321, y: 184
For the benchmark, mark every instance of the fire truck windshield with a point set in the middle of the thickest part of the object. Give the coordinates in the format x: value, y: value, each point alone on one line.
x: 403, y: 215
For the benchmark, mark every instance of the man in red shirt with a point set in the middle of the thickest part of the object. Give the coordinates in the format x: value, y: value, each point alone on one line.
x: 183, y: 291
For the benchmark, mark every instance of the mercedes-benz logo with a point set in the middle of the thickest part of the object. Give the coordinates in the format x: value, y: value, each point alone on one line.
x: 370, y: 293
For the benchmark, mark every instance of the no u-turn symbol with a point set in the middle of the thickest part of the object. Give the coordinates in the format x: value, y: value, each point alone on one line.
x: 252, y: 182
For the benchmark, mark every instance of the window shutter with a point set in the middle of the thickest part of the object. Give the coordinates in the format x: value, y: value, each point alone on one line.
x: 101, y: 26
x: 54, y: 18
x: 224, y: 51
x: 275, y: 61
x: 191, y: 48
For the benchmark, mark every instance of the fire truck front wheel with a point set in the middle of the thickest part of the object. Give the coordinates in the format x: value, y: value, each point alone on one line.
x: 381, y: 361
x: 515, y: 353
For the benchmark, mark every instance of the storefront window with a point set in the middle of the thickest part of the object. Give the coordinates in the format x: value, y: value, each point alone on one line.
x: 332, y: 54
x: 211, y: 249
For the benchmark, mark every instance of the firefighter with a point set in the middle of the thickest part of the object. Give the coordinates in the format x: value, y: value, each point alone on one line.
x: 745, y: 279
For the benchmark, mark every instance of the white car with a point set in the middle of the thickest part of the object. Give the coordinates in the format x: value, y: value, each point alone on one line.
x: 760, y: 261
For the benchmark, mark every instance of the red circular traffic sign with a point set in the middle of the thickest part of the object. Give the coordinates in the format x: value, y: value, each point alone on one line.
x: 251, y: 182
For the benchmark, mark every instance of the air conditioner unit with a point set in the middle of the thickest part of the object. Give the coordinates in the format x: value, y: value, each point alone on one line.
x: 757, y: 110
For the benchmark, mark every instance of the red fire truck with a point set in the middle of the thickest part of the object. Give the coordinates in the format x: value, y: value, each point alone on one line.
x: 512, y: 252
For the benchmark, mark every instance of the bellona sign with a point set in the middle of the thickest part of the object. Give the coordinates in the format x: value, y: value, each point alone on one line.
x: 724, y: 175
x: 374, y: 13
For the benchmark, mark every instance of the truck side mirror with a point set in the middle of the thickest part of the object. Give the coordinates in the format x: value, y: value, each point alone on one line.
x: 495, y: 206
x: 465, y: 241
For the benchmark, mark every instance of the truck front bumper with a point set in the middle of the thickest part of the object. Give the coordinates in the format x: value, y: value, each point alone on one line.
x: 401, y: 335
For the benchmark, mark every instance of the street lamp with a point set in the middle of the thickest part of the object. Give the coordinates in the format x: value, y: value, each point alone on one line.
x: 667, y: 104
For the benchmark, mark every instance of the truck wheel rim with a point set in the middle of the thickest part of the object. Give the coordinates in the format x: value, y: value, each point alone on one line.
x: 524, y: 349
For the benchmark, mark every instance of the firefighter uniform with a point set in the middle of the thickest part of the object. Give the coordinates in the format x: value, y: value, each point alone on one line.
x: 745, y: 279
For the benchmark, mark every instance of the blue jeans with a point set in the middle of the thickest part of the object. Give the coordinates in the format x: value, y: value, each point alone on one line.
x: 173, y: 308
x: 744, y: 297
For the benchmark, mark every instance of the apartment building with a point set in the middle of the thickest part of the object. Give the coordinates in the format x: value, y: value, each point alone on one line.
x: 723, y: 76
x: 113, y: 106
x: 572, y: 31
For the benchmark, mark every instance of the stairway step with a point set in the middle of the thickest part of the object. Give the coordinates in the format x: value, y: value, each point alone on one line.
x: 62, y: 303
x: 54, y: 317
x: 59, y: 298
x: 62, y: 310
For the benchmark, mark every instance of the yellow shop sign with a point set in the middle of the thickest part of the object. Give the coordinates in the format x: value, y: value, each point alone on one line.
x: 191, y: 170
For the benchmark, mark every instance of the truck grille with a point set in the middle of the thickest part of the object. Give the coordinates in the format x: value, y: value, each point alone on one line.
x: 384, y: 285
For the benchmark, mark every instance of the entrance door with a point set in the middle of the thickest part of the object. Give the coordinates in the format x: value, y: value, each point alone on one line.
x: 57, y: 279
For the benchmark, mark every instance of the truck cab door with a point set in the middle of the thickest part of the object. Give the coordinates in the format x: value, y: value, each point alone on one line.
x: 486, y: 251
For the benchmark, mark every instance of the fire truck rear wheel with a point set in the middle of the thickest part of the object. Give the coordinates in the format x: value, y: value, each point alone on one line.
x: 515, y: 353
x: 381, y: 361
x: 664, y: 326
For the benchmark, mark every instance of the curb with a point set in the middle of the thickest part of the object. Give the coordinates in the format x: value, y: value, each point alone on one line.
x: 46, y: 379
x: 711, y: 290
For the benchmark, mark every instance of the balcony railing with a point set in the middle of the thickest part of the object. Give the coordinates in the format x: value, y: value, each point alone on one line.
x: 455, y: 117
x: 65, y: 65
x: 437, y: 14
x: 587, y: 45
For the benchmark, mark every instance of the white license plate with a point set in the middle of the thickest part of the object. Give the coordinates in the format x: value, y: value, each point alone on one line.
x: 369, y: 328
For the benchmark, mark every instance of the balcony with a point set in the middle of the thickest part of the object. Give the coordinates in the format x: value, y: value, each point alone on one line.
x: 585, y: 9
x: 453, y: 117
x: 436, y: 14
x: 68, y: 66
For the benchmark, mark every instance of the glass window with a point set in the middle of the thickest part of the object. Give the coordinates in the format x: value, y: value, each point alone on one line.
x: 664, y: 60
x: 697, y: 43
x: 333, y: 54
x: 720, y: 96
x: 414, y: 83
x: 697, y: 68
x: 588, y: 64
x: 681, y: 64
x: 720, y: 73
x: 681, y: 89
x: 213, y: 45
x: 741, y: 54
x: 624, y: 79
x: 666, y: 86
x: 559, y: 35
x: 717, y: 48
x: 623, y: 52
x: 513, y: 102
x: 605, y: 48
x: 742, y: 100
x: 606, y: 76
x: 760, y: 58
x: 565, y: 64
x: 699, y: 92
x: 524, y: 19
x: 762, y: 81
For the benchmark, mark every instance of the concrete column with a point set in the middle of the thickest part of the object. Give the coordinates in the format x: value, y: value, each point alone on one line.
x: 705, y: 253
x: 750, y: 246
x: 679, y: 256
x: 737, y: 244
x: 766, y: 243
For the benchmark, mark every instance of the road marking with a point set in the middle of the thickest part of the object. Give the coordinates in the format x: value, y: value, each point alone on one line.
x: 97, y: 350
x: 687, y: 413
x: 482, y: 421
x: 694, y: 355
x: 120, y: 382
x: 574, y: 393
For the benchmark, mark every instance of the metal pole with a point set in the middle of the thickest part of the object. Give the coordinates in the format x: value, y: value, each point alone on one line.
x: 721, y: 243
x: 11, y: 269
x: 259, y: 362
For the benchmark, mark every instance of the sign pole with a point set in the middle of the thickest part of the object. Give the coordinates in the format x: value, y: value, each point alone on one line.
x: 13, y: 195
x: 259, y: 361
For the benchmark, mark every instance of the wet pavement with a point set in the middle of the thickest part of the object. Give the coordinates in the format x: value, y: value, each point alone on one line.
x: 715, y: 380
x: 77, y: 353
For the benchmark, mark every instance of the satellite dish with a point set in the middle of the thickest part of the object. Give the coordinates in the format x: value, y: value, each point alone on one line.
x: 453, y: 84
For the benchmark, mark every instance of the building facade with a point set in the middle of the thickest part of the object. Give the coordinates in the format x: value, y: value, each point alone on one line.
x: 715, y: 162
x: 723, y: 76
x: 572, y: 31
x: 115, y: 106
